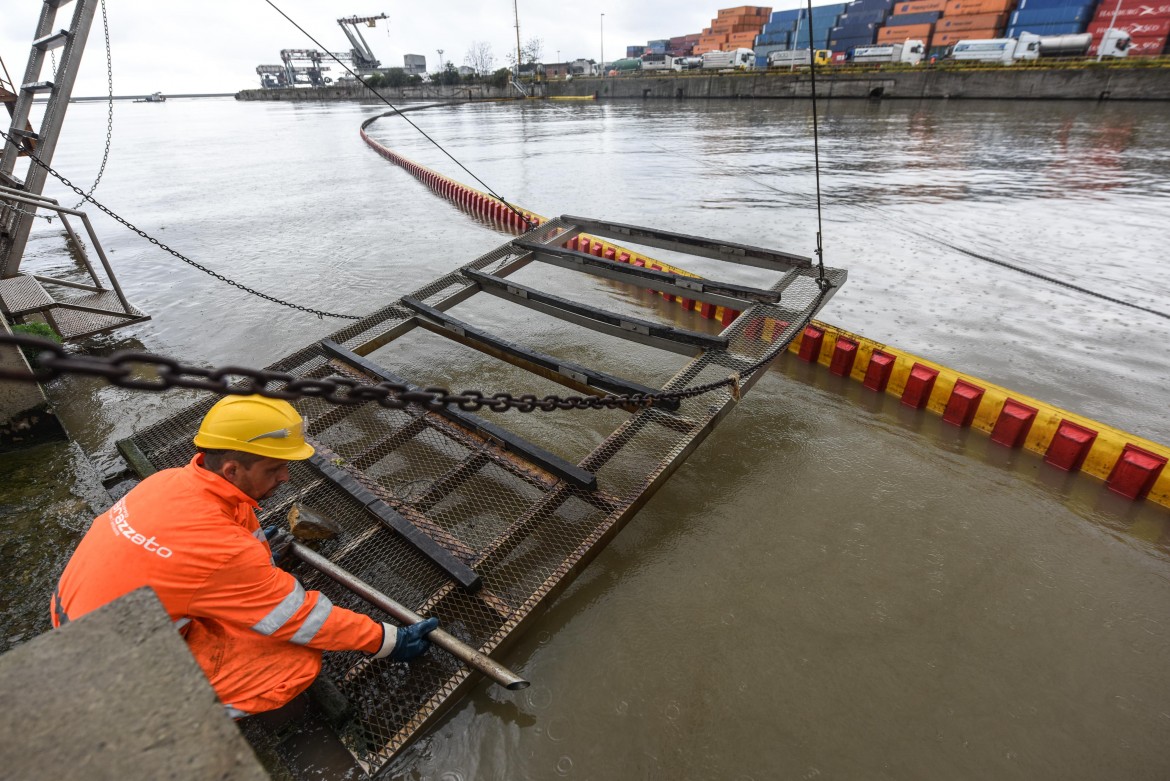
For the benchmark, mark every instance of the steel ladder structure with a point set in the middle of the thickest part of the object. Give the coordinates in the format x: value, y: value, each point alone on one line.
x: 73, y: 308
x: 457, y: 516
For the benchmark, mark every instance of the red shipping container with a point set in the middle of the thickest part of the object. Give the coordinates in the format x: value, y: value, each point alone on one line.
x: 1138, y: 29
x: 1147, y: 47
x: 1135, y: 9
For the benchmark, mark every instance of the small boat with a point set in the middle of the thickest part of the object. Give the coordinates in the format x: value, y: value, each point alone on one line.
x: 157, y: 97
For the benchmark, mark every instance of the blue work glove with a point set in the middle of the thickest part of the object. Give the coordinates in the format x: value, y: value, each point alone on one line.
x: 277, y: 542
x: 405, y: 643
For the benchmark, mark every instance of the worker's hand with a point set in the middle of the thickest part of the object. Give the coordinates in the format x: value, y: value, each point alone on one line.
x: 402, y: 644
x: 277, y: 542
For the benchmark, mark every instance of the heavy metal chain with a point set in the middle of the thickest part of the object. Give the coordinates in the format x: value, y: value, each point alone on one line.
x: 126, y: 369
x: 109, y: 106
x: 125, y: 223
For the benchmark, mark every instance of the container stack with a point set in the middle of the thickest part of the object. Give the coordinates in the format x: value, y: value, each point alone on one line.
x: 965, y: 20
x: 682, y: 45
x: 791, y: 30
x: 859, y: 25
x: 636, y: 51
x: 1051, y: 17
x: 1147, y: 22
x: 733, y: 28
x: 912, y: 21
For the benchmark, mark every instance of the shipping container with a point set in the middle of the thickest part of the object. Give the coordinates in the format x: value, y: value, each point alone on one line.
x: 869, y: 5
x: 912, y: 32
x: 862, y: 17
x: 1033, y: 5
x: 1138, y: 29
x: 1070, y: 28
x: 924, y: 17
x: 844, y: 44
x: 1147, y: 47
x: 1073, y: 13
x: 743, y: 10
x: 950, y: 39
x: 1153, y: 10
x: 920, y: 7
x: 970, y: 22
x: 963, y: 7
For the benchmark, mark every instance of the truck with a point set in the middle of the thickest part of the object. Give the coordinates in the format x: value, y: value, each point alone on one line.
x: 1115, y: 43
x: 740, y: 59
x: 798, y: 58
x: 625, y: 65
x: 658, y: 62
x: 905, y: 53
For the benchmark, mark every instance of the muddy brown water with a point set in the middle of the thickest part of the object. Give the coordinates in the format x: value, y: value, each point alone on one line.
x: 832, y: 586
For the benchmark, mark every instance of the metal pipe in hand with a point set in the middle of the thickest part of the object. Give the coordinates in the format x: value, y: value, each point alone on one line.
x: 448, y: 642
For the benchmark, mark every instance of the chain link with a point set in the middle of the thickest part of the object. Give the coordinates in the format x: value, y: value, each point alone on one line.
x: 126, y: 367
x: 130, y: 226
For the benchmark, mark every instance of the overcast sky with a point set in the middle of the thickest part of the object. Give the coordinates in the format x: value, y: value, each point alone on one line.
x: 177, y: 46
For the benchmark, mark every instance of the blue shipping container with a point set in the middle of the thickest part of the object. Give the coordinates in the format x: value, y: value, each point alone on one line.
x: 851, y: 30
x: 927, y: 17
x: 1076, y: 13
x: 869, y: 5
x: 862, y: 17
x: 841, y: 44
x: 1037, y: 4
x: 1071, y: 28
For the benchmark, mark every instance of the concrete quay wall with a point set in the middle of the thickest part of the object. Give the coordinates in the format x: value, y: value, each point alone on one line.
x: 356, y: 92
x: 1088, y: 83
x: 1022, y: 83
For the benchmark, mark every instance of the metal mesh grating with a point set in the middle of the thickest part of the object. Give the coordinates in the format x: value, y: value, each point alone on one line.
x: 523, y: 530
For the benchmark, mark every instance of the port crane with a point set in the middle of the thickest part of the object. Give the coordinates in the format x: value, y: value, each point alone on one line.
x: 363, y: 57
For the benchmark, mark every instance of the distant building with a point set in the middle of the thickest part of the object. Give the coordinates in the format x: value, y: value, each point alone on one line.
x: 466, y: 70
x: 415, y: 64
x: 556, y: 70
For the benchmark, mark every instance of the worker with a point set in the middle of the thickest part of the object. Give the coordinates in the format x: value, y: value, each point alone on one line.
x: 192, y: 535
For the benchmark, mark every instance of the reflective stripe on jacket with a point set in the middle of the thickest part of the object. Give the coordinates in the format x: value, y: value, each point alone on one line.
x: 194, y: 538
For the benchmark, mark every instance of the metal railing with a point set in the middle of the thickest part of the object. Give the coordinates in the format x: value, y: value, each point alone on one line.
x: 15, y: 198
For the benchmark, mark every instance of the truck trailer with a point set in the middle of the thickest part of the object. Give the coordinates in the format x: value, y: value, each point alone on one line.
x: 740, y: 59
x: 798, y: 58
x: 905, y: 53
x: 1115, y: 43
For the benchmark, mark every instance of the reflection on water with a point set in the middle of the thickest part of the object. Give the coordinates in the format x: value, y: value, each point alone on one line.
x: 832, y: 585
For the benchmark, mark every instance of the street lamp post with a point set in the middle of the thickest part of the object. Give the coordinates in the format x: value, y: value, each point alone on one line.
x: 440, y: 51
x: 603, y: 45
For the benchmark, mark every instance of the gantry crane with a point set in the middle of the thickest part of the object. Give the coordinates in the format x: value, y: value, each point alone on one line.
x: 364, y: 60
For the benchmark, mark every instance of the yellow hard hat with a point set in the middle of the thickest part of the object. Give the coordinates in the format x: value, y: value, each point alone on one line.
x: 254, y: 424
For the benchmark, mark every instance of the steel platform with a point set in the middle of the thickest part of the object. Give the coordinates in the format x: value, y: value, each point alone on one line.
x: 455, y: 516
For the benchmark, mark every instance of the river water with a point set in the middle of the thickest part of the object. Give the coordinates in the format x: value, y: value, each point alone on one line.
x: 832, y: 586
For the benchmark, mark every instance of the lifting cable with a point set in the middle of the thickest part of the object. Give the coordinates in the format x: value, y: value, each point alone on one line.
x: 812, y: 72
x: 86, y: 197
x: 381, y: 97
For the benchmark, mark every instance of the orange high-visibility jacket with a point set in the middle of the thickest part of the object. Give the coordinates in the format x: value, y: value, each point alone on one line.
x: 194, y: 538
